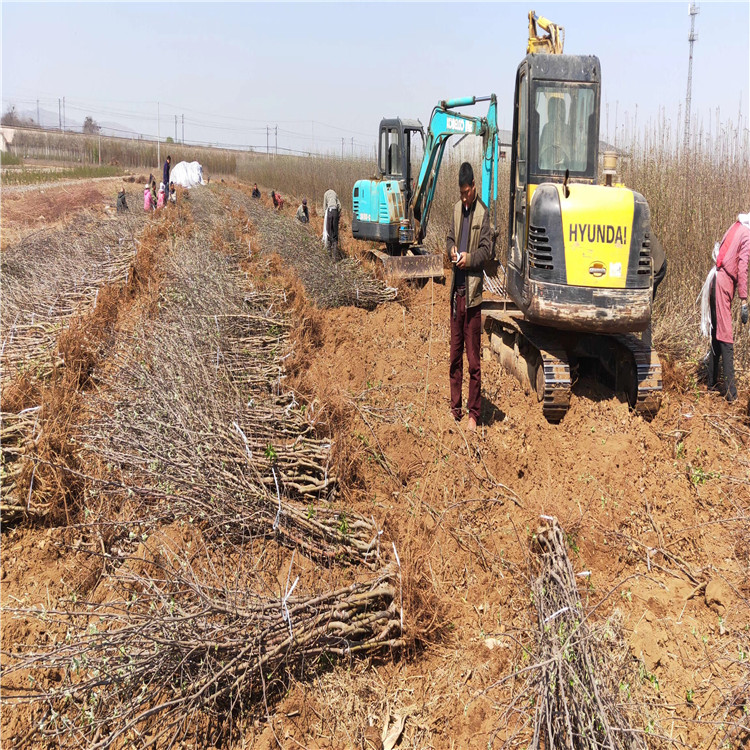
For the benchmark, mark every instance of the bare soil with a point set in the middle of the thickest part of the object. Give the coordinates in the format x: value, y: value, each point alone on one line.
x: 656, y: 515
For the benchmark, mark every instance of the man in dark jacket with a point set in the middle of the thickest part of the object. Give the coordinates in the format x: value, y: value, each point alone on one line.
x: 469, y: 245
x: 122, y: 203
x: 166, y: 172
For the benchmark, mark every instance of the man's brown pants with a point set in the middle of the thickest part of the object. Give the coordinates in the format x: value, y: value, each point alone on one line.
x: 466, y: 330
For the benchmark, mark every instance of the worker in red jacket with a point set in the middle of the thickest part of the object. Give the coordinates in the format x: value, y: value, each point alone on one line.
x: 731, y: 278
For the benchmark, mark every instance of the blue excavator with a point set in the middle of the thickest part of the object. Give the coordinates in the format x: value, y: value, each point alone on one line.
x: 394, y: 210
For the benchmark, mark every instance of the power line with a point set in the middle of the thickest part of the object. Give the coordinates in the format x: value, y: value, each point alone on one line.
x: 209, y: 118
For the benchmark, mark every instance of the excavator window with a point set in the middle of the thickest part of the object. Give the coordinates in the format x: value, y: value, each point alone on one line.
x: 390, y: 152
x: 563, y: 120
x: 522, y: 127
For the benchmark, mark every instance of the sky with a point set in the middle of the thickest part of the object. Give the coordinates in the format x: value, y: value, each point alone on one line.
x: 324, y: 74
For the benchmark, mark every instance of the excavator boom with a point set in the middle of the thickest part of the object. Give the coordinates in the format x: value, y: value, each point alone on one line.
x: 444, y: 123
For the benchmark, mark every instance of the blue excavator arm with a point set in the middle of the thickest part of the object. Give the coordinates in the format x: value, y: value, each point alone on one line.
x: 444, y: 123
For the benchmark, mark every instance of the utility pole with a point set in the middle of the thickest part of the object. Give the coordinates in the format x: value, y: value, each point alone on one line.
x: 175, y: 128
x: 158, y: 138
x: 100, y: 147
x: 183, y: 129
x: 63, y: 119
x: 38, y: 119
x: 693, y: 11
x: 59, y: 115
x: 276, y: 143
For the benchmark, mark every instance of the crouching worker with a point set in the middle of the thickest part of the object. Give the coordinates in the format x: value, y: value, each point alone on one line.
x: 122, y: 203
x: 469, y: 246
x: 148, y: 204
x: 303, y: 214
x: 161, y: 198
x: 730, y: 278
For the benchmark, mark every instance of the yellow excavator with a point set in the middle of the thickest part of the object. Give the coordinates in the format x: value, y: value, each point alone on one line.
x: 576, y: 281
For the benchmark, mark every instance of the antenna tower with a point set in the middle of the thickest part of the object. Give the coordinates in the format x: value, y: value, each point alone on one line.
x: 693, y: 11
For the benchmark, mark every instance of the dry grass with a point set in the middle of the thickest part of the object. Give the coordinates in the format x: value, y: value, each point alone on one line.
x: 694, y: 198
x: 76, y: 148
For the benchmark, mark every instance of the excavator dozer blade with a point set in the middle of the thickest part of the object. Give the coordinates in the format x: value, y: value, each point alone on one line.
x: 415, y: 267
x: 412, y: 266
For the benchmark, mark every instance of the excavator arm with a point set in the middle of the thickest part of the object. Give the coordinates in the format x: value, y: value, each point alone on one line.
x: 444, y: 123
x: 552, y: 43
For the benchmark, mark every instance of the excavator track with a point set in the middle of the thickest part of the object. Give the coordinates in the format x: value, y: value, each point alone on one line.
x: 534, y: 356
x: 541, y: 359
x: 553, y: 382
x: 647, y: 397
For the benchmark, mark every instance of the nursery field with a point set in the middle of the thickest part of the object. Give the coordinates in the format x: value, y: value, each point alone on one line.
x: 237, y: 513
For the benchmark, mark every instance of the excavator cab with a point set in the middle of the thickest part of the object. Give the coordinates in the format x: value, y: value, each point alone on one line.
x: 380, y: 205
x: 578, y: 252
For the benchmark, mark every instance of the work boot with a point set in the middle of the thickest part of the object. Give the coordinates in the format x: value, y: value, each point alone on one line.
x: 727, y: 357
x: 712, y: 367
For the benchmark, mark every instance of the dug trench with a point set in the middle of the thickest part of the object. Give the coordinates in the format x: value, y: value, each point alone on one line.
x: 655, y: 517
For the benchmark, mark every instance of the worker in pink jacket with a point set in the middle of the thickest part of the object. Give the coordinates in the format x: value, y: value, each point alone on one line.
x: 731, y: 278
x: 147, y: 206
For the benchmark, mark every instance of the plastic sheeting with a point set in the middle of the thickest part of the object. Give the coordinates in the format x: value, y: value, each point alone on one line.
x: 187, y: 174
x: 704, y: 298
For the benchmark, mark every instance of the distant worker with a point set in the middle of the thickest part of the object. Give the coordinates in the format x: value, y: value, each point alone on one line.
x: 730, y: 277
x: 167, y: 165
x: 331, y: 218
x: 302, y: 213
x: 256, y: 192
x: 278, y: 201
x: 154, y: 195
x: 161, y: 197
x: 659, y: 262
x: 469, y: 246
x: 148, y: 204
x: 122, y: 203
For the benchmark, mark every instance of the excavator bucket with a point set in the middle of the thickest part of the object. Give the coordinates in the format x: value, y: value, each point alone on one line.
x: 412, y: 265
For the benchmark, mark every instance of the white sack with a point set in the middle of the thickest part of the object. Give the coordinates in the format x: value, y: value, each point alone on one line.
x: 187, y: 174
x: 705, y: 296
